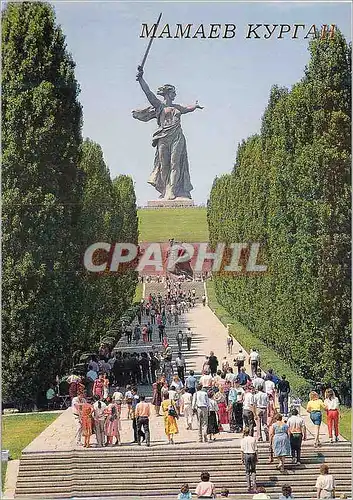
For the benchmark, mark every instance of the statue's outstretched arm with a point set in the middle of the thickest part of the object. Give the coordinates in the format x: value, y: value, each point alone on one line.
x: 188, y: 109
x: 153, y: 99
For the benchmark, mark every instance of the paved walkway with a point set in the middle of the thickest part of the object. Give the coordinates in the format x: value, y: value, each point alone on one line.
x: 208, y: 334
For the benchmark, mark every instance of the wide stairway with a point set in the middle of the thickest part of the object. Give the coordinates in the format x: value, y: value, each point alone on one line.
x: 159, y: 471
x: 134, y: 472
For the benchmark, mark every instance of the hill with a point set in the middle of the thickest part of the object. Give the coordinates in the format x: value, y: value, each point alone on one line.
x: 182, y: 224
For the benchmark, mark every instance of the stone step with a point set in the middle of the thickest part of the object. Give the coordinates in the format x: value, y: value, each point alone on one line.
x: 105, y: 457
x: 173, y: 477
x: 208, y: 449
x: 156, y: 488
x: 104, y: 495
x: 307, y: 461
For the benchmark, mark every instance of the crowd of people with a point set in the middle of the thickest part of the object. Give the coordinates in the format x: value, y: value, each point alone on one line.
x: 225, y: 398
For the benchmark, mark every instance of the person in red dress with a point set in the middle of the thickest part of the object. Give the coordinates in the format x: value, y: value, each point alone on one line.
x: 98, y: 386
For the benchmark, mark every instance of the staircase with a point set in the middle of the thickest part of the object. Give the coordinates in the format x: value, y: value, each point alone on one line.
x: 133, y: 472
x: 155, y: 288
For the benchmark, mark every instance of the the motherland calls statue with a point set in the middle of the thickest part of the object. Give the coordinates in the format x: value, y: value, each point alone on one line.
x: 170, y: 176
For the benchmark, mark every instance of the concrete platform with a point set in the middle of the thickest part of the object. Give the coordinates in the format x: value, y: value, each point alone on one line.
x: 177, y: 203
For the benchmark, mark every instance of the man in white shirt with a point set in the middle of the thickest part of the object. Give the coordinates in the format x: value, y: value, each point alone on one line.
x: 297, y: 433
x: 179, y: 338
x: 249, y: 410
x: 206, y: 381
x: 181, y: 366
x: 118, y: 398
x: 76, y: 406
x: 258, y: 382
x: 186, y: 407
x: 270, y: 387
x: 240, y: 360
x: 99, y: 420
x: 248, y: 447
x: 254, y: 360
x: 261, y: 403
x: 200, y: 405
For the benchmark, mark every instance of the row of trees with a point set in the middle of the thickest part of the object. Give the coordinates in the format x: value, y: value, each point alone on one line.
x: 290, y: 191
x: 58, y: 198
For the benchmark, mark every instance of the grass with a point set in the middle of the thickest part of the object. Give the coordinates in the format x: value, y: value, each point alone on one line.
x: 18, y: 431
x: 269, y: 357
x: 182, y: 224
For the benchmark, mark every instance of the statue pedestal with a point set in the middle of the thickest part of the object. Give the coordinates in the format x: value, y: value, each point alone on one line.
x: 178, y: 202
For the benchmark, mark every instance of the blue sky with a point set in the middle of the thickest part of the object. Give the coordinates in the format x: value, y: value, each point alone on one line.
x: 231, y: 78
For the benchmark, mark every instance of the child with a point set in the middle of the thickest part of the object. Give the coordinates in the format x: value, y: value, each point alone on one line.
x: 205, y: 488
x: 184, y: 493
x: 128, y: 401
x: 286, y: 493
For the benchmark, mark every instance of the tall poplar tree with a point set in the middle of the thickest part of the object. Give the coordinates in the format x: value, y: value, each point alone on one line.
x: 41, y: 137
x: 291, y: 192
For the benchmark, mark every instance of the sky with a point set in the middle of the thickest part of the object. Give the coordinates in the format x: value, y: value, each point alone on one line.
x: 231, y: 78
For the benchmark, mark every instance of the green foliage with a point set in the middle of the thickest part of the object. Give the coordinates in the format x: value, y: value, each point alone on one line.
x: 108, y: 215
x: 269, y: 358
x: 58, y: 199
x: 290, y: 191
x: 41, y: 188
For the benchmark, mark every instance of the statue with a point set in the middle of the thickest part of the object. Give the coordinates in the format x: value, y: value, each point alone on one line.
x: 170, y: 175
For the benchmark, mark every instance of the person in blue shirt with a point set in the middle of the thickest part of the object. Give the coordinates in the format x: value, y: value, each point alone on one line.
x: 185, y: 493
x: 191, y: 382
x: 286, y: 493
x: 243, y: 377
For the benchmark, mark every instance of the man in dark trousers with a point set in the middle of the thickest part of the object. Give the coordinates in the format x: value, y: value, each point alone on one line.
x: 189, y: 338
x: 135, y: 400
x: 283, y: 394
x: 213, y: 363
x: 149, y: 331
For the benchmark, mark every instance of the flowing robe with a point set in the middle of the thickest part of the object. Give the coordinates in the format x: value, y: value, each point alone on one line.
x: 170, y: 175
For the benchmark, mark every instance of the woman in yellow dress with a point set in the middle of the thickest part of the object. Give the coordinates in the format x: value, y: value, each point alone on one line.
x: 170, y: 415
